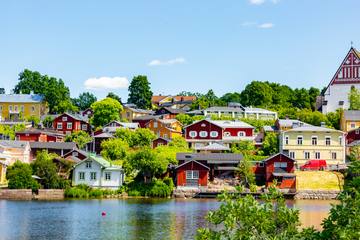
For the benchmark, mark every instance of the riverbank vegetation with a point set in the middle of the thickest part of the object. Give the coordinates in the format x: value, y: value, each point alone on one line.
x: 84, y: 191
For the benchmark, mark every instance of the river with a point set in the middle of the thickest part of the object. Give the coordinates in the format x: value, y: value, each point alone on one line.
x: 124, y: 219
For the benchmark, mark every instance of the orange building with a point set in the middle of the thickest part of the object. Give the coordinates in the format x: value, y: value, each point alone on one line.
x: 165, y: 128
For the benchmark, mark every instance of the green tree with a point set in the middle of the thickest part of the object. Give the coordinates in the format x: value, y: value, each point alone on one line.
x: 354, y: 98
x: 84, y: 100
x: 301, y: 98
x: 114, y: 96
x: 48, y: 122
x: 143, y: 137
x: 313, y: 94
x: 2, y: 90
x: 65, y: 106
x: 245, y: 172
x: 354, y: 153
x: 148, y: 163
x: 105, y: 111
x: 81, y: 138
x: 184, y: 119
x: 44, y: 167
x: 334, y: 118
x: 179, y: 143
x: 270, y: 144
x: 34, y: 120
x: 114, y: 149
x: 231, y: 97
x: 19, y: 176
x: 140, y: 93
x: 257, y: 94
x: 53, y: 89
x: 244, y: 147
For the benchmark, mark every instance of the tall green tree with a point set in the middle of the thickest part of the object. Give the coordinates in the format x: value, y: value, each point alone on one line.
x: 114, y: 96
x: 53, y: 89
x: 84, y: 100
x: 81, y: 138
x: 45, y: 168
x: 257, y: 94
x: 105, y: 111
x: 354, y: 98
x: 140, y: 92
x: 270, y: 144
x: 114, y: 149
x: 245, y: 172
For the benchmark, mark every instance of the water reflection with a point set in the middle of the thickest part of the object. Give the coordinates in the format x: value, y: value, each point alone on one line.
x: 125, y: 219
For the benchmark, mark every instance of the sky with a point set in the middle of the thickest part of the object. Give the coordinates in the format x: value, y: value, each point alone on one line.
x: 98, y: 46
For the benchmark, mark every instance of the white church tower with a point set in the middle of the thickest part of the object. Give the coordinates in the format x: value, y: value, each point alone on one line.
x: 347, y: 75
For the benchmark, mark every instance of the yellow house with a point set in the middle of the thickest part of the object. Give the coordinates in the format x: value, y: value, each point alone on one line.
x: 3, y: 166
x: 311, y: 142
x: 129, y: 113
x: 21, y: 106
x: 165, y: 128
x: 350, y: 120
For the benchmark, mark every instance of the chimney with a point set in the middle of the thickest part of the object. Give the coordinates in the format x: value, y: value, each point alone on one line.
x: 322, y: 124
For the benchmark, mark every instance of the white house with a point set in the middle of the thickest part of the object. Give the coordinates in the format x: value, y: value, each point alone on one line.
x: 346, y: 76
x: 96, y: 172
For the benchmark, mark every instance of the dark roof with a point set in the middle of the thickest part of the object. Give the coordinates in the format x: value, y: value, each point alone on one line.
x: 281, y: 154
x: 77, y: 150
x: 352, y: 115
x: 187, y: 162
x: 76, y: 116
x: 39, y: 131
x: 146, y: 117
x: 53, y: 145
x: 13, y: 144
x: 171, y: 110
x: 211, y: 157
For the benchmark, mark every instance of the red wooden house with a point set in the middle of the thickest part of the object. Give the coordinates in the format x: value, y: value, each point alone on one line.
x: 68, y: 123
x: 160, y: 141
x: 39, y: 135
x: 192, y: 174
x: 278, y: 167
x: 204, y: 132
x: 352, y: 136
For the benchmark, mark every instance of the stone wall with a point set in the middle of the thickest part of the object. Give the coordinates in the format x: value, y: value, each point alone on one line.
x: 317, y: 194
x: 50, y: 194
x: 16, y: 194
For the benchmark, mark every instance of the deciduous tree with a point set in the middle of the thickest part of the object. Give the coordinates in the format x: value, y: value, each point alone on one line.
x: 84, y: 100
x: 81, y: 138
x: 105, y: 111
x: 19, y: 176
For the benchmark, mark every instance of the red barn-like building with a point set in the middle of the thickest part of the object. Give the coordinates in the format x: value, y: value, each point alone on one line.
x: 192, y: 174
x: 39, y: 135
x: 68, y: 123
x: 159, y: 142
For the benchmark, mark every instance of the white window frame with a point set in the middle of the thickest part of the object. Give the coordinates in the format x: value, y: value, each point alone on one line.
x: 227, y: 134
x: 352, y: 125
x: 155, y: 124
x: 334, y: 155
x: 326, y: 141
x: 93, y: 176
x: 75, y: 154
x: 292, y: 154
x: 192, y: 174
x: 280, y: 164
x: 10, y: 108
x: 302, y: 140
x: 88, y: 164
x: 82, y: 176
x: 107, y: 176
x: 64, y: 119
x: 84, y: 127
x: 241, y: 134
x: 317, y: 155
x: 316, y: 140
x: 306, y: 155
x: 59, y: 125
x: 214, y: 134
x: 193, y: 134
x: 203, y: 134
x: 69, y: 125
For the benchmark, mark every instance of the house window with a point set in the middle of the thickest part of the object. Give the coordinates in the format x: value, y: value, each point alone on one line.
x: 261, y: 164
x: 300, y: 140
x: 328, y: 141
x: 317, y: 155
x: 59, y: 126
x: 155, y: 124
x: 10, y: 108
x: 307, y: 155
x: 84, y: 127
x: 128, y: 114
x: 286, y: 140
x: 192, y: 174
x: 22, y: 108
x: 108, y: 176
x: 203, y: 134
x: 292, y: 155
x: 280, y: 164
x: 165, y: 136
x: 32, y: 108
x: 214, y: 134
x: 193, y: 134
x: 241, y: 134
x: 352, y: 125
x: 333, y: 155
x: 340, y: 140
x: 64, y: 119
x: 81, y: 175
x: 16, y: 108
x: 313, y: 140
x: 88, y: 164
x: 93, y: 176
x: 356, y: 132
x: 227, y: 134
x: 69, y: 125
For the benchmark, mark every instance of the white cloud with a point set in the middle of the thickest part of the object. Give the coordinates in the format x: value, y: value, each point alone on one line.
x: 266, y: 25
x: 256, y: 2
x: 248, y: 24
x: 157, y: 62
x: 106, y: 83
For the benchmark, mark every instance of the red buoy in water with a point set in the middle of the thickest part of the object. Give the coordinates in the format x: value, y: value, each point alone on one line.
x: 103, y: 214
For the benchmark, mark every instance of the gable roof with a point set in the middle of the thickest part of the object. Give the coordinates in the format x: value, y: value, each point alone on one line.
x: 41, y: 131
x: 75, y: 116
x: 290, y: 122
x: 53, y: 145
x: 224, y: 123
x: 187, y: 162
x: 82, y: 152
x: 13, y: 144
x: 158, y: 98
x: 124, y: 124
x: 170, y: 110
x: 213, y: 147
x: 100, y: 160
x: 21, y: 98
x: 275, y: 155
x: 352, y: 115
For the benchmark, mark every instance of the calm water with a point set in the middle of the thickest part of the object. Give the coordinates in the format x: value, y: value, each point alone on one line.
x: 125, y: 219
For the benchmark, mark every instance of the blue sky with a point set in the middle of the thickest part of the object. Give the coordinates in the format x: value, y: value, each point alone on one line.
x: 179, y: 45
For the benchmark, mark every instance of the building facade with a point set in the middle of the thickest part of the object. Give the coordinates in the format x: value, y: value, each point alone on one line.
x: 68, y: 123
x: 350, y: 120
x: 165, y: 128
x: 346, y: 76
x: 310, y: 142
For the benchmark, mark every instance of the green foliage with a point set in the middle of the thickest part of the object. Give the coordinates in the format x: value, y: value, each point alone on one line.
x: 270, y: 144
x: 184, y: 119
x: 156, y: 188
x: 334, y: 118
x: 114, y: 96
x: 354, y: 98
x: 244, y: 147
x: 140, y: 93
x: 33, y: 119
x: 54, y: 90
x: 84, y: 100
x: 81, y: 138
x: 354, y: 153
x: 84, y: 191
x: 105, y: 111
x: 245, y: 173
x: 44, y: 168
x: 9, y: 132
x: 179, y: 143
x: 141, y: 137
x: 48, y: 121
x: 19, y: 176
x: 65, y: 106
x: 258, y: 123
x: 114, y: 149
x: 231, y: 97
x: 207, y: 100
x: 257, y: 94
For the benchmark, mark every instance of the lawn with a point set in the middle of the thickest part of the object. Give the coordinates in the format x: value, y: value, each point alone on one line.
x: 319, y: 180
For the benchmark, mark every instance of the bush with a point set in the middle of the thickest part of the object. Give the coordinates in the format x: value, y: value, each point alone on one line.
x: 156, y: 188
x: 84, y: 191
x: 19, y: 176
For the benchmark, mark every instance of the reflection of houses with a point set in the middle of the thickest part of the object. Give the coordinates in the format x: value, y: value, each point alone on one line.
x: 39, y: 135
x: 21, y: 106
x: 59, y: 148
x: 130, y: 112
x: 278, y: 167
x: 68, y: 123
x: 236, y: 110
x: 95, y: 171
x: 204, y: 132
x: 165, y: 128
x: 15, y: 150
x: 350, y: 120
x: 218, y: 164
x: 311, y: 142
